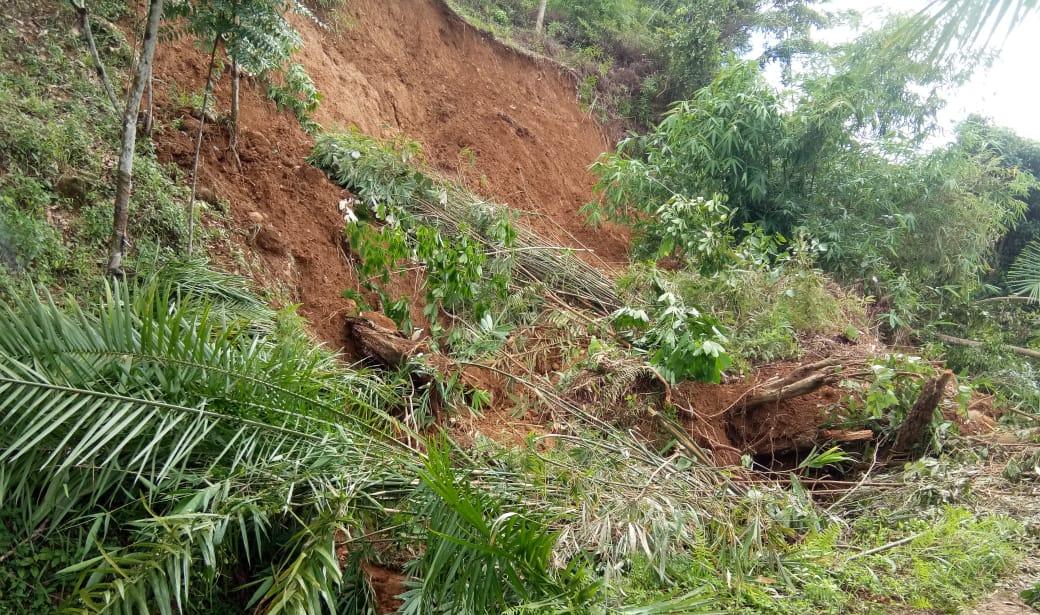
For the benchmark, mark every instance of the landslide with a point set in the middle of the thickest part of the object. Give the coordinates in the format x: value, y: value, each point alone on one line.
x: 505, y: 124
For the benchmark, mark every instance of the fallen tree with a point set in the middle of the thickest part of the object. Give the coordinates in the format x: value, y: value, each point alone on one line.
x: 960, y: 341
x: 390, y: 348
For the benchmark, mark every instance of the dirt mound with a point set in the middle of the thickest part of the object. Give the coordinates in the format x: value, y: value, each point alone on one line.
x: 505, y: 124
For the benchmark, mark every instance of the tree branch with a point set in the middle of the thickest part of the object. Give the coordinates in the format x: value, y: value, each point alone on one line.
x: 88, y: 34
x: 960, y: 341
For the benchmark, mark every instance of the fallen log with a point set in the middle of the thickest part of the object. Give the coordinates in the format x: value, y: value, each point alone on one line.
x: 915, y: 431
x: 787, y: 391
x: 389, y: 347
x: 960, y: 341
x: 807, y: 440
x: 803, y: 371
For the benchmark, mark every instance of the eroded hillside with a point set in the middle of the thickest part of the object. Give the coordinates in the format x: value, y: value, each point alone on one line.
x: 508, y: 125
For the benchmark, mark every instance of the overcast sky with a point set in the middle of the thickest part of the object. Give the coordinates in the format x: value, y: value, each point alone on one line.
x: 1008, y: 92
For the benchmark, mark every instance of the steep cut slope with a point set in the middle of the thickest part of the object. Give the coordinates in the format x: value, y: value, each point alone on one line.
x: 412, y: 66
x: 505, y: 124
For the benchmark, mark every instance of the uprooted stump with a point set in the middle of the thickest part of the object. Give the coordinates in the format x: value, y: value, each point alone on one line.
x: 389, y: 347
x: 915, y: 432
x: 803, y: 380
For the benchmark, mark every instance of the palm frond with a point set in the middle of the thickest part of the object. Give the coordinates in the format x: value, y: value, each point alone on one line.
x: 1024, y: 274
x: 483, y: 556
x: 309, y: 579
x: 965, y: 22
x: 158, y: 405
x: 152, y: 572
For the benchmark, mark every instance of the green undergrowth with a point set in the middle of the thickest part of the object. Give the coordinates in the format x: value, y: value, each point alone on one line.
x: 949, y: 561
x: 59, y: 139
x: 767, y: 312
x: 261, y: 452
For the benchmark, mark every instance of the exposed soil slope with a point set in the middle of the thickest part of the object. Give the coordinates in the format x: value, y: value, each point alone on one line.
x: 507, y: 125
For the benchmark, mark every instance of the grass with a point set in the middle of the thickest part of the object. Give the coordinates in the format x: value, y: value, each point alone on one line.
x: 58, y: 144
x: 952, y: 560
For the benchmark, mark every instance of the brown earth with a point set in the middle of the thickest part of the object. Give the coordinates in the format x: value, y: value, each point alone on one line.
x: 505, y: 124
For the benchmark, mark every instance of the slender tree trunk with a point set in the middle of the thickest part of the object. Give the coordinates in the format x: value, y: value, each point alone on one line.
x: 960, y: 341
x: 149, y: 108
x: 233, y: 136
x: 124, y: 174
x: 88, y: 34
x: 198, y: 145
x: 233, y: 45
x: 539, y: 21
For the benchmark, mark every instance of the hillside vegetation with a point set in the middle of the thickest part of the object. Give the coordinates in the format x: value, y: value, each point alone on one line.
x: 350, y: 307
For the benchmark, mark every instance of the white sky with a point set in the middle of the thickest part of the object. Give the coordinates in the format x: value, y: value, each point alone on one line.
x: 1008, y: 91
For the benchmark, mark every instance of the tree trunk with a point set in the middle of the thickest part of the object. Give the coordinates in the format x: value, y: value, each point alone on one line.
x: 124, y: 175
x: 786, y: 390
x: 539, y: 21
x: 198, y: 145
x: 960, y: 341
x: 88, y: 34
x: 233, y: 135
x: 915, y: 431
x: 149, y: 108
x: 232, y: 47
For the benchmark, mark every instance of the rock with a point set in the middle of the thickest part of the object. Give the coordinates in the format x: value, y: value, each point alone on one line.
x: 255, y: 217
x: 255, y: 139
x: 978, y: 423
x: 73, y: 188
x: 207, y: 195
x: 270, y: 240
x: 211, y: 117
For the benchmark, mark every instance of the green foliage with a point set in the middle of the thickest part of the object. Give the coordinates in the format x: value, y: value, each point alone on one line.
x: 259, y: 36
x: 297, y: 93
x: 1013, y: 152
x: 681, y: 342
x: 1031, y: 595
x: 485, y: 556
x: 454, y: 272
x: 28, y: 579
x: 949, y: 562
x: 839, y: 164
x: 458, y: 275
x: 464, y: 245
x: 961, y: 23
x: 887, y: 397
x: 720, y: 141
x: 55, y: 196
x: 765, y: 306
x: 1024, y: 274
x: 183, y: 429
x: 924, y: 229
x: 384, y: 175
